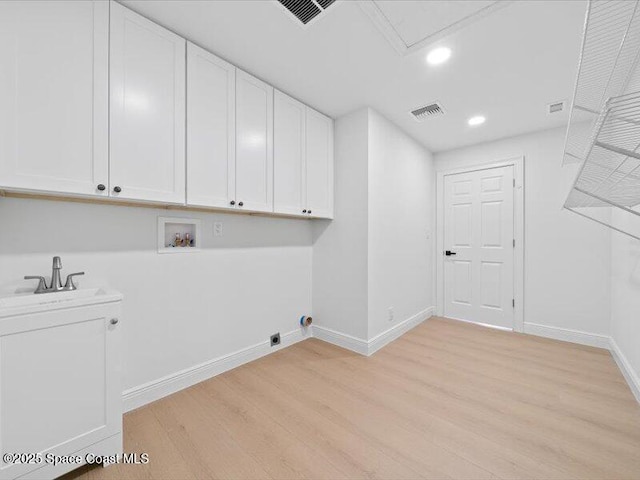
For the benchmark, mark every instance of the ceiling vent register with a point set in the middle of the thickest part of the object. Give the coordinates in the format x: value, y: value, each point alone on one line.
x: 555, y: 107
x: 432, y: 110
x: 306, y: 11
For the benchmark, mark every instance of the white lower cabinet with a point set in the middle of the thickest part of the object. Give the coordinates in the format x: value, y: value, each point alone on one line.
x: 147, y: 72
x: 60, y: 386
x: 54, y: 96
x: 303, y: 159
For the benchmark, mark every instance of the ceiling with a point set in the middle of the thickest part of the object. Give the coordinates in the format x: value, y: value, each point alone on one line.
x: 410, y: 26
x: 507, y: 65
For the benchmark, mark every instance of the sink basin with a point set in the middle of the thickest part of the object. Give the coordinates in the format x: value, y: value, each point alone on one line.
x: 54, y: 300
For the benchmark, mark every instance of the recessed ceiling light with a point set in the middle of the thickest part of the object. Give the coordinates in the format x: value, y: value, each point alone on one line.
x: 477, y: 120
x: 438, y: 55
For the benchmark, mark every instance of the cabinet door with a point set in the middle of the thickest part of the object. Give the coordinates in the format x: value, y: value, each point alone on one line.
x: 288, y: 155
x: 319, y: 164
x: 59, y: 382
x: 211, y: 135
x: 147, y: 109
x: 54, y: 96
x: 254, y: 143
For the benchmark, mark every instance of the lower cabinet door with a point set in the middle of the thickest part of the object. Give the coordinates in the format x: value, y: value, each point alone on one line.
x: 59, y: 384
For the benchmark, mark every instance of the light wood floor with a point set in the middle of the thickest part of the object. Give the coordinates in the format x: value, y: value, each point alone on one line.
x: 447, y: 400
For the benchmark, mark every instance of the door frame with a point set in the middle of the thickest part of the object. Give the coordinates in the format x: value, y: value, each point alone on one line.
x: 518, y: 254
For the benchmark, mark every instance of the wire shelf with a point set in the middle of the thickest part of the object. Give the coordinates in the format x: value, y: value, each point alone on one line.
x: 607, y: 68
x: 603, y: 134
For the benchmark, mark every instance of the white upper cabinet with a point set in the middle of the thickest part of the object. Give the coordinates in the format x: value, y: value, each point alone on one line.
x: 254, y: 143
x: 93, y: 102
x: 289, y: 135
x: 147, y: 109
x: 319, y: 164
x: 211, y: 134
x: 54, y: 96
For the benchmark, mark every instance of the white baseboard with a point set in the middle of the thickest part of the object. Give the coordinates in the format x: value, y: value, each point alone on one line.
x: 143, y: 394
x: 388, y: 336
x: 629, y: 374
x: 364, y: 347
x: 343, y: 340
x: 567, y: 335
x: 146, y: 393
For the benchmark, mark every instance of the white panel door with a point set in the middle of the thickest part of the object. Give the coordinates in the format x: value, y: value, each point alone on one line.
x: 289, y: 134
x: 54, y: 96
x: 211, y: 134
x: 147, y: 109
x: 254, y: 143
x: 479, y: 251
x: 60, y: 386
x: 319, y: 165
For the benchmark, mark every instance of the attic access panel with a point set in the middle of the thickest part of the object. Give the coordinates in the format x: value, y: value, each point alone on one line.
x: 409, y: 26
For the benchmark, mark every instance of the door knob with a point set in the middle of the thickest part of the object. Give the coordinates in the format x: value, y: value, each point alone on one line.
x: 232, y: 202
x: 114, y: 321
x: 241, y: 204
x: 117, y: 189
x: 448, y: 253
x: 101, y: 187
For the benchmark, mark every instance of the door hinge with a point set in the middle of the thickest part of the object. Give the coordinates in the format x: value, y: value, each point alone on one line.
x: 514, y: 242
x: 514, y: 183
x: 513, y: 302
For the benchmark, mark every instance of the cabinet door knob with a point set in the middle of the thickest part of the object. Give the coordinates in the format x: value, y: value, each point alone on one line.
x: 232, y: 202
x: 101, y: 187
x: 309, y: 212
x: 114, y: 321
x: 240, y: 204
x: 304, y: 211
x: 117, y: 189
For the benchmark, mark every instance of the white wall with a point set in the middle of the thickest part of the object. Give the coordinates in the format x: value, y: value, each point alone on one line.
x: 179, y: 309
x: 567, y: 258
x: 376, y: 253
x: 401, y: 216
x: 340, y: 247
x: 625, y: 303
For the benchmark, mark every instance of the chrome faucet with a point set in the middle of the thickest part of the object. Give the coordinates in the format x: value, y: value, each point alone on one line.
x: 56, y: 281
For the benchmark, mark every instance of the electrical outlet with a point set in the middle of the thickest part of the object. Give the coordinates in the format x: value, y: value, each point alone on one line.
x: 217, y: 229
x: 391, y: 313
x: 275, y: 339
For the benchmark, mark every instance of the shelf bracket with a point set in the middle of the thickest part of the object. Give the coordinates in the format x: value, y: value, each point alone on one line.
x: 621, y: 151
